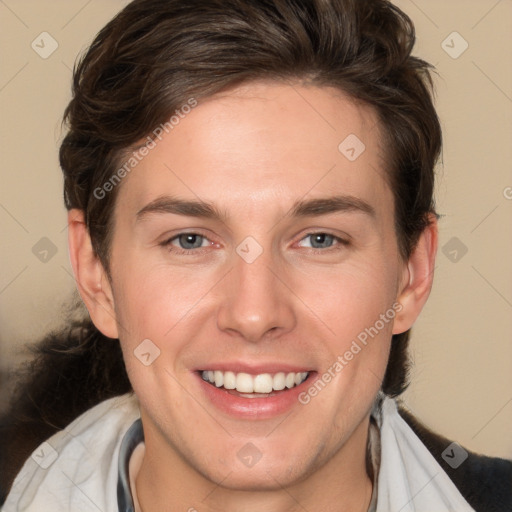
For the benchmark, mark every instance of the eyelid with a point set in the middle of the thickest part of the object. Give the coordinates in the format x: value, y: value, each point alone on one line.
x: 341, y: 241
x: 190, y: 234
x: 335, y: 233
x: 167, y: 241
x: 171, y: 235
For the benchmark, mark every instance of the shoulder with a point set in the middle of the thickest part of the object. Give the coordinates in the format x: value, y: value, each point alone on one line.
x: 79, y: 464
x: 485, y: 482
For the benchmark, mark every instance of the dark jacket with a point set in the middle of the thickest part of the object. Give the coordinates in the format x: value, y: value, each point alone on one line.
x: 485, y: 482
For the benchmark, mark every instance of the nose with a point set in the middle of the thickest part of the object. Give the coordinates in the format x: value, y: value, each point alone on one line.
x: 255, y: 304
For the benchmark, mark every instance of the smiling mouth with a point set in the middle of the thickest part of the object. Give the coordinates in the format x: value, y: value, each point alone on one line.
x: 253, y: 386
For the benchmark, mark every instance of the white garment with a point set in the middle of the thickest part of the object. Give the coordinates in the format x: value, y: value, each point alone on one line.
x: 83, y: 477
x: 410, y: 478
x: 81, y: 463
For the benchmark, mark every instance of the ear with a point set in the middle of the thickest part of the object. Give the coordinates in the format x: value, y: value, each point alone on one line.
x: 90, y: 276
x: 417, y: 278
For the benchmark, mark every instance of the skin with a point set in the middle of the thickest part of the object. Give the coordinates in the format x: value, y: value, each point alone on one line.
x: 253, y: 152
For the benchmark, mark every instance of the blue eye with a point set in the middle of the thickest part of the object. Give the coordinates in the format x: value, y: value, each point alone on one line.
x: 188, y: 241
x: 322, y: 241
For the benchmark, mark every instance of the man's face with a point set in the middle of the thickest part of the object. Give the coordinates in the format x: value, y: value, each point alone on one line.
x: 284, y: 264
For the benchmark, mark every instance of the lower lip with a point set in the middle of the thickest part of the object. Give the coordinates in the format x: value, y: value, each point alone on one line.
x: 254, y: 408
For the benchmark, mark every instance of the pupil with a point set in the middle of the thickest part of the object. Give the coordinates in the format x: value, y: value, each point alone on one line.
x: 322, y: 240
x: 190, y: 241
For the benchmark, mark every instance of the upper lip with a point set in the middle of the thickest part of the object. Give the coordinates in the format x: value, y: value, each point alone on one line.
x: 254, y: 368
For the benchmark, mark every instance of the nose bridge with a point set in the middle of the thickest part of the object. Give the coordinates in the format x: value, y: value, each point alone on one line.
x: 254, y: 302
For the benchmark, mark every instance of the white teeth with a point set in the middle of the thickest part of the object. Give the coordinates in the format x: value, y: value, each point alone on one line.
x: 263, y: 383
x: 229, y: 380
x: 278, y: 382
x: 244, y: 383
x: 219, y: 378
x: 290, y: 380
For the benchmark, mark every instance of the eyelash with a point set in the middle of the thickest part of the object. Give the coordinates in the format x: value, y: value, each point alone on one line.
x: 341, y: 243
x: 180, y: 251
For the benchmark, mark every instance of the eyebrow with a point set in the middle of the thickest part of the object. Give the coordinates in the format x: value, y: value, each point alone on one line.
x: 324, y: 206
x: 304, y: 208
x: 173, y: 205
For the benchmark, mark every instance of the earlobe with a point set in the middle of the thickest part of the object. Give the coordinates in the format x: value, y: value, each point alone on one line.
x: 90, y: 276
x: 417, y: 278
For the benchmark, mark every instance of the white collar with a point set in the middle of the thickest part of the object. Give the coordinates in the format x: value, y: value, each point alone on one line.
x: 410, y: 479
x: 81, y: 465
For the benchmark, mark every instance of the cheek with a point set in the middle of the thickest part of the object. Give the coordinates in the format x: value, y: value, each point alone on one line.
x: 355, y: 305
x: 152, y: 308
x: 352, y: 298
x: 150, y: 300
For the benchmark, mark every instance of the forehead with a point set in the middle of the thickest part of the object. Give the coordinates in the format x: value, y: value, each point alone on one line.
x: 265, y: 142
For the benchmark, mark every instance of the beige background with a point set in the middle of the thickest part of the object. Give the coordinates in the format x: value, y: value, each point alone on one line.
x: 462, y: 380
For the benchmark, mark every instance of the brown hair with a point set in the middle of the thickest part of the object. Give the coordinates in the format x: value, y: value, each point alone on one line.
x: 157, y: 54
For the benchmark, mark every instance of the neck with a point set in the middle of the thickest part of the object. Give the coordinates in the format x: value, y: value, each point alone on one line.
x: 166, y: 480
